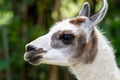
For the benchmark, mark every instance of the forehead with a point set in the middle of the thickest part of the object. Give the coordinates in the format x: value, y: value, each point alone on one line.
x: 69, y: 24
x: 65, y: 25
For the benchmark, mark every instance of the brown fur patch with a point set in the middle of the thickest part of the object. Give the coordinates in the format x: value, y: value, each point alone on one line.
x: 90, y: 49
x: 86, y: 52
x: 77, y: 21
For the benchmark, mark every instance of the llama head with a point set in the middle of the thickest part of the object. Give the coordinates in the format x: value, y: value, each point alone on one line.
x: 67, y: 42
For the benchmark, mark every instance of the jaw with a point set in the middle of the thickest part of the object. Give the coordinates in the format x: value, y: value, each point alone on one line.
x: 62, y: 62
x: 55, y: 57
x: 52, y: 57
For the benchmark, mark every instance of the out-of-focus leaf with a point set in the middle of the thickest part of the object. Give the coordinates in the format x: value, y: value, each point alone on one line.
x: 5, y: 17
x: 4, y: 64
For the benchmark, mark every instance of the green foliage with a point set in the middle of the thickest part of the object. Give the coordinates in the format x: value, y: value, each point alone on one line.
x: 5, y: 17
x: 4, y: 63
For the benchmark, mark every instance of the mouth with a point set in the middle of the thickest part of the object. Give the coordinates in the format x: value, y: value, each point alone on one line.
x: 33, y: 57
x: 35, y: 60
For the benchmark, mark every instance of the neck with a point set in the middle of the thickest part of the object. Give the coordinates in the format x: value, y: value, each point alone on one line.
x: 102, y: 68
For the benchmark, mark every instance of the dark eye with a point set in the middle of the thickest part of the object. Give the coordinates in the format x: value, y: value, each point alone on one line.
x: 67, y: 38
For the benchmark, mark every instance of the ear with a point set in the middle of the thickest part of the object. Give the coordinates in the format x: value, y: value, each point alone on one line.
x: 85, y: 11
x: 96, y: 18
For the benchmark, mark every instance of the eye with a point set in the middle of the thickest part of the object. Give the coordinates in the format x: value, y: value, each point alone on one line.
x: 67, y: 38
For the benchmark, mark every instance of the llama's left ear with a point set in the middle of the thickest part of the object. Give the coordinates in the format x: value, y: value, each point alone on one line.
x: 85, y: 11
x: 96, y: 18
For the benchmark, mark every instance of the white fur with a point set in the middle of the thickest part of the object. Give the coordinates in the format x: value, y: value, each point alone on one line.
x: 103, y: 68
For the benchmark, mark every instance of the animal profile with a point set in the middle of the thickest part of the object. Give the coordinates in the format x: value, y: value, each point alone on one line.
x: 78, y: 44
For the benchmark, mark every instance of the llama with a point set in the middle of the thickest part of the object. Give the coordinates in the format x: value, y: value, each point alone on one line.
x: 79, y: 44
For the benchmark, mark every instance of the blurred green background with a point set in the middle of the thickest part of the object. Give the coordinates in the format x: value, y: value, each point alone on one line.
x: 21, y: 21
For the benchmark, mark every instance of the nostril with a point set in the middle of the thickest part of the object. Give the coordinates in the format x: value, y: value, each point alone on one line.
x: 30, y: 48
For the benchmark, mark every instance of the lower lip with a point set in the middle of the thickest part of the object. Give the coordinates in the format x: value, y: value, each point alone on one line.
x: 35, y: 60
